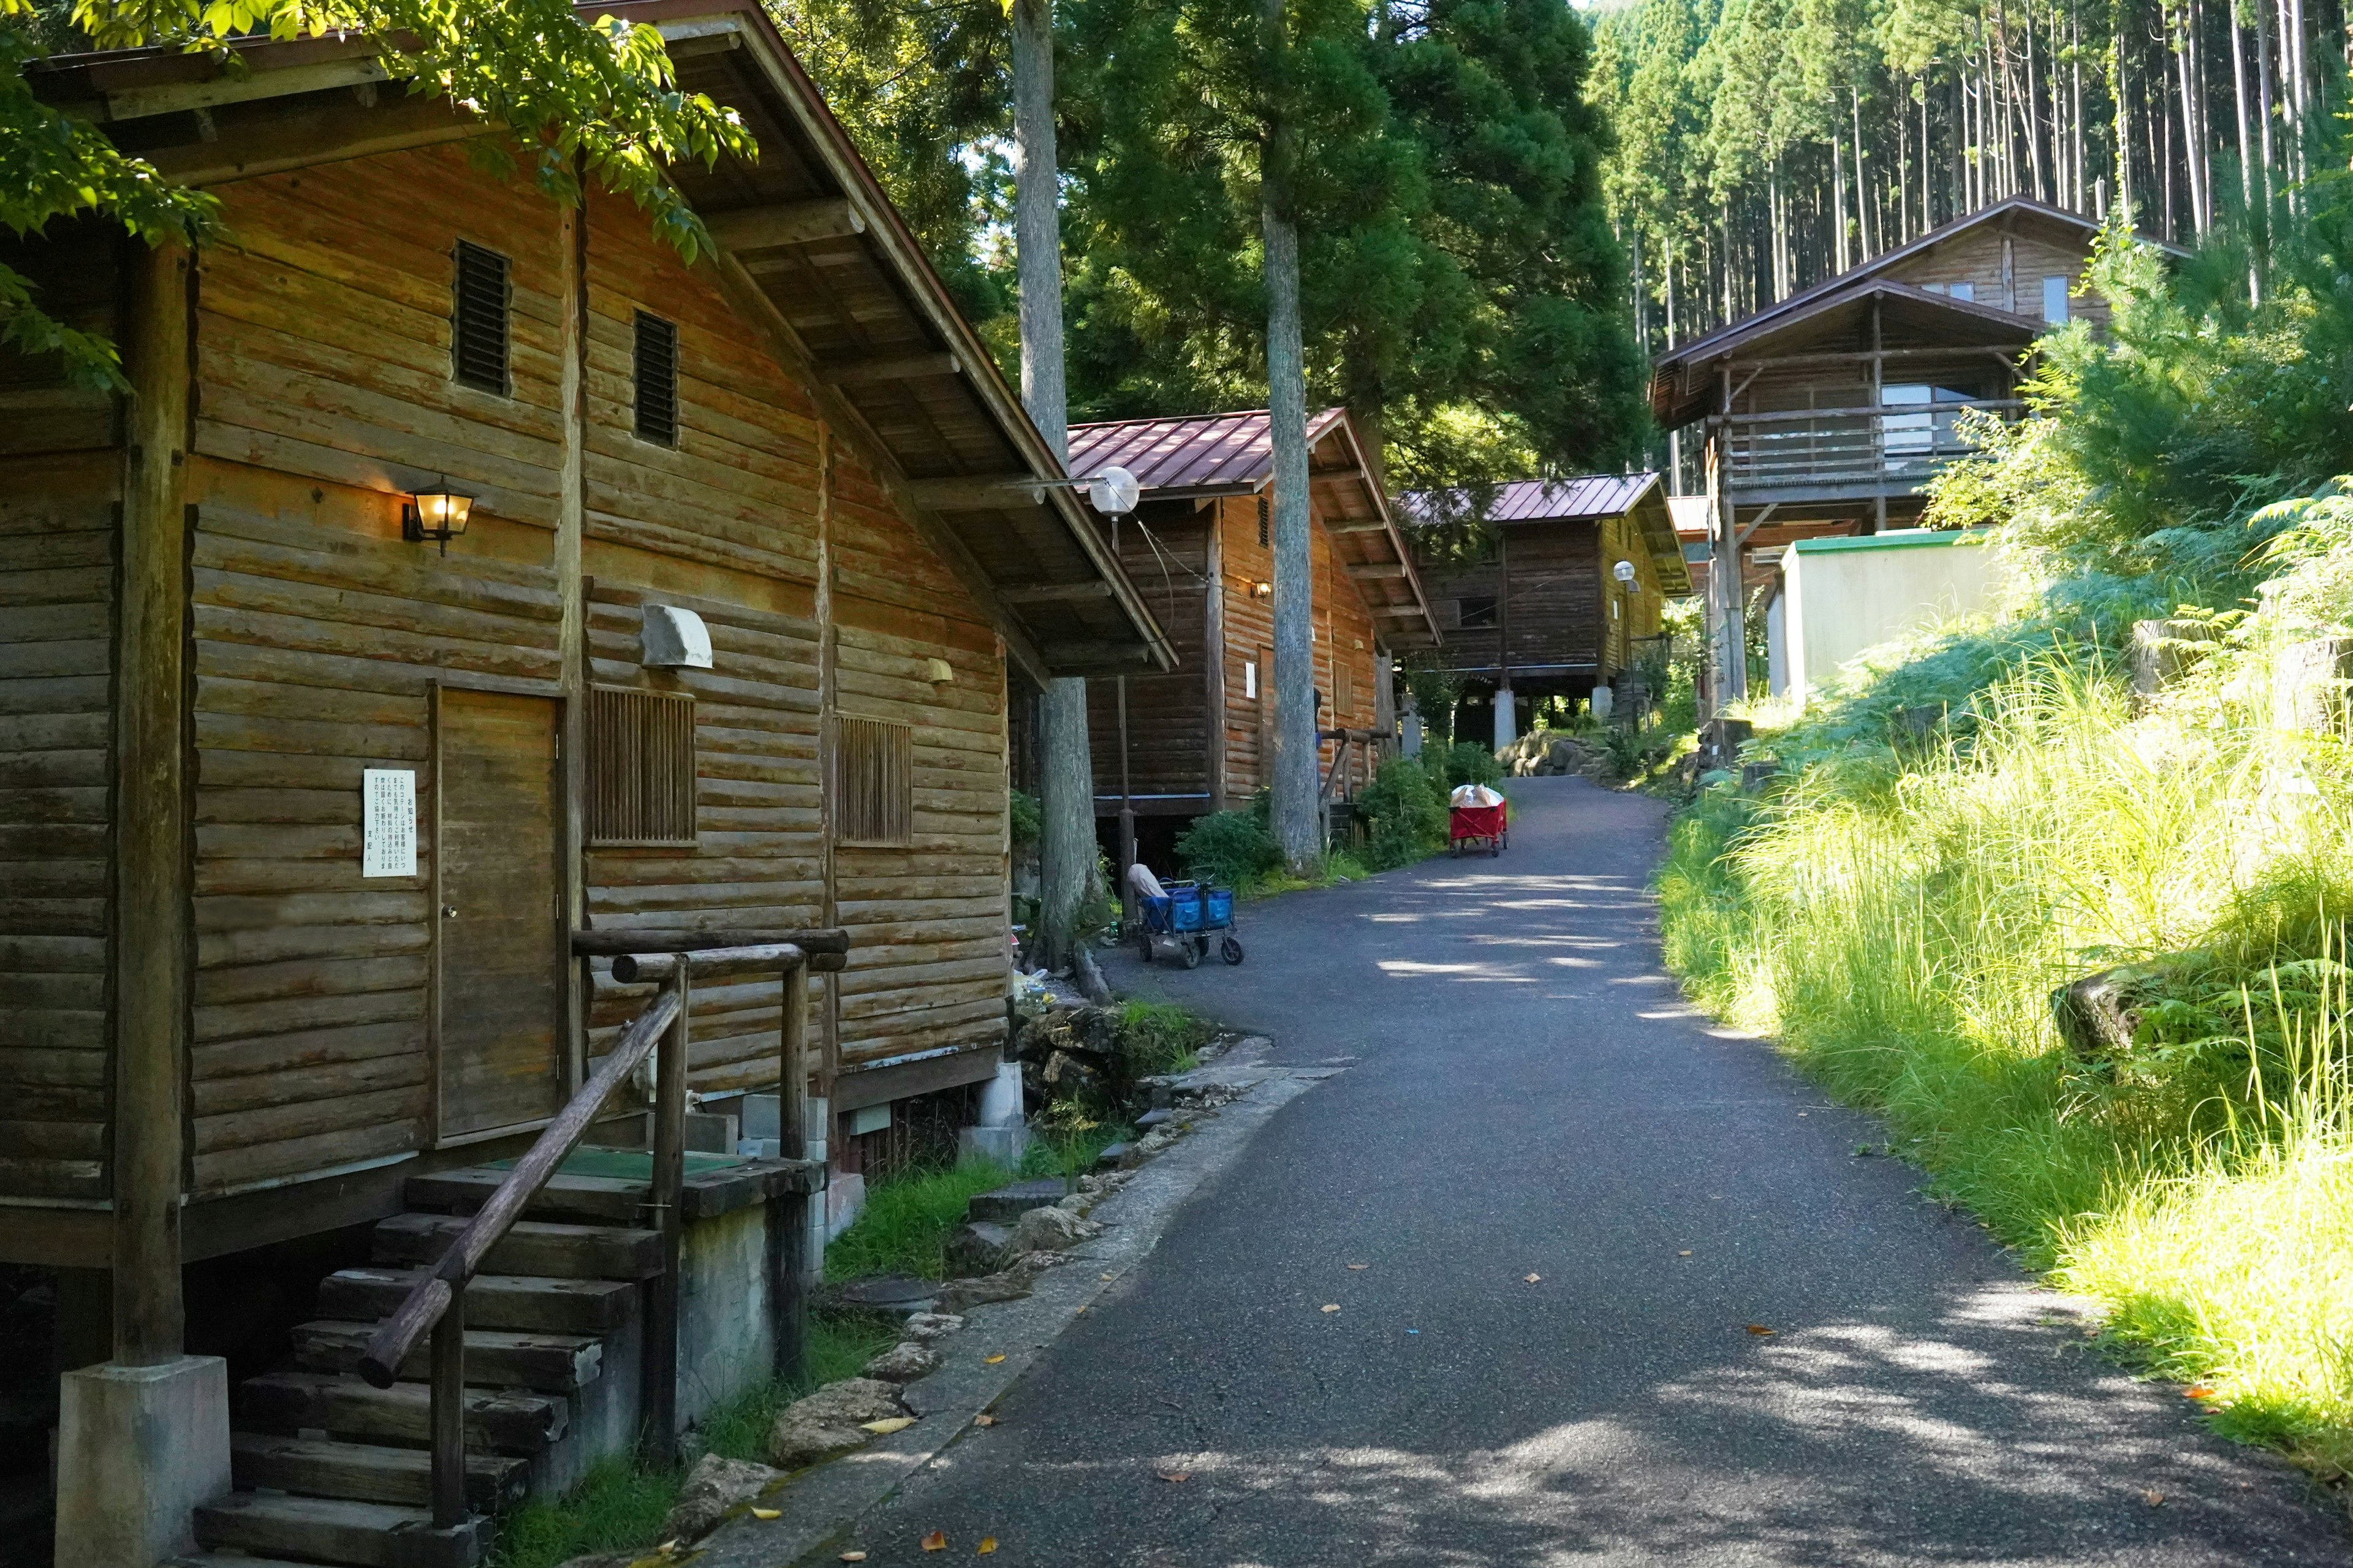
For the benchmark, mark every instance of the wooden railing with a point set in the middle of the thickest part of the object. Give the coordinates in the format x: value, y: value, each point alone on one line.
x: 1900, y: 443
x: 436, y: 1304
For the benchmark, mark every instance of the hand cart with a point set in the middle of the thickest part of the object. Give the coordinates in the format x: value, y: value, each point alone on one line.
x: 1185, y: 918
x: 1479, y: 827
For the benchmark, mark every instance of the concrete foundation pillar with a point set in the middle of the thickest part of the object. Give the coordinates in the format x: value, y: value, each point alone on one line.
x: 1003, y: 1132
x: 1507, y: 727
x: 1409, y: 741
x: 138, y: 1448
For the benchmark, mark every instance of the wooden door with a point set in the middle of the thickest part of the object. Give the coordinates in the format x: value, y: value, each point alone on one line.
x: 501, y: 948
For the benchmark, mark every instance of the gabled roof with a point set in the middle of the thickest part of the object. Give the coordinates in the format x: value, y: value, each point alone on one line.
x: 826, y: 277
x: 1668, y: 401
x: 1190, y: 454
x: 1193, y: 456
x: 1588, y: 498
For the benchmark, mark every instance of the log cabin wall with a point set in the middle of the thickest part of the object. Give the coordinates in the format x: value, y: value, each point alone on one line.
x: 60, y: 483
x: 2013, y: 282
x: 1556, y: 606
x: 1165, y: 548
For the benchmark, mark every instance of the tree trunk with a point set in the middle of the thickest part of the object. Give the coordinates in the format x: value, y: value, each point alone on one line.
x: 1298, y: 831
x: 1066, y: 849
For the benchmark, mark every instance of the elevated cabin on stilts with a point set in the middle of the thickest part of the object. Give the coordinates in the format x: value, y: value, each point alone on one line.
x: 1558, y: 591
x: 1169, y: 747
x: 1827, y: 413
x: 471, y: 603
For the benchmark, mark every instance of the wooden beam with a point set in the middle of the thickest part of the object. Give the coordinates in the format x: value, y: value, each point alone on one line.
x: 1097, y: 653
x: 269, y: 138
x: 786, y: 223
x: 1363, y: 525
x: 171, y: 98
x: 1056, y: 593
x: 151, y: 852
x: 901, y: 367
x: 1362, y: 570
x: 984, y: 492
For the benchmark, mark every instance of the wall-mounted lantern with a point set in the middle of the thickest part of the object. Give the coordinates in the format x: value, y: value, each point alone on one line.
x: 438, y: 514
x: 1262, y: 590
x: 1623, y: 571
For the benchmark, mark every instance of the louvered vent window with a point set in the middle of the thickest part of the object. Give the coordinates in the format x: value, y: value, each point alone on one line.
x: 874, y: 781
x: 1261, y: 522
x: 640, y: 767
x: 657, y: 380
x: 478, y: 320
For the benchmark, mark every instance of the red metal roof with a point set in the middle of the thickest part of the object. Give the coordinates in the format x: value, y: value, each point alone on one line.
x: 1543, y: 500
x: 1189, y: 452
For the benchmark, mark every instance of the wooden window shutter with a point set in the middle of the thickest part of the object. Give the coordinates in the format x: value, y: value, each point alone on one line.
x: 657, y: 379
x: 874, y: 781
x: 641, y: 772
x: 480, y: 295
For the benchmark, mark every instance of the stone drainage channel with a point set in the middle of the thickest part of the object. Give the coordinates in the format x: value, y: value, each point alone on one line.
x: 1216, y: 1110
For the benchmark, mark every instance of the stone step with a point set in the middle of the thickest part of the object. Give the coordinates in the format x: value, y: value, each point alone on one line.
x: 329, y: 1529
x: 495, y: 1358
x: 499, y: 1421
x: 532, y: 1247
x: 227, y: 1559
x: 367, y: 1472
x: 1006, y: 1204
x: 515, y: 1302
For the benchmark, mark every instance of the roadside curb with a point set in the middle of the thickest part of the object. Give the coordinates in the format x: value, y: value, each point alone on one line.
x: 821, y: 1506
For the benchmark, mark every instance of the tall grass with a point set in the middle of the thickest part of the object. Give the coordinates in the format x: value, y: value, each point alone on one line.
x: 1899, y: 919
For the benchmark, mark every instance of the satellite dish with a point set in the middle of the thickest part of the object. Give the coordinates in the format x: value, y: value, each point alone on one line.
x: 1113, y: 492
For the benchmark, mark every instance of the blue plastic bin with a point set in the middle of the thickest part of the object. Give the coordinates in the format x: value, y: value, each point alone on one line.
x: 1220, y: 906
x: 1185, y: 909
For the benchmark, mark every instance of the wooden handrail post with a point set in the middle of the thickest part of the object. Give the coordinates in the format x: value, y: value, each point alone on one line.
x: 449, y: 1414
x: 790, y: 1314
x: 661, y: 1443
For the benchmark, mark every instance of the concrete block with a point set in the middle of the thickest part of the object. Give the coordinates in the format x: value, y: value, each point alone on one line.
x: 710, y: 1132
x: 139, y: 1447
x: 1001, y: 1097
x: 1005, y: 1145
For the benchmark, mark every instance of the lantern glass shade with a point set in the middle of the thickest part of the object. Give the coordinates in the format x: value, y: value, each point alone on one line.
x: 440, y: 514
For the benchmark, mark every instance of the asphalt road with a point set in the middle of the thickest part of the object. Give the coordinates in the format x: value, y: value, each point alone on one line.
x: 1529, y: 1095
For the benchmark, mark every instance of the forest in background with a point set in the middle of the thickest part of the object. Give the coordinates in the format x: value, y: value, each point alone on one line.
x: 1764, y: 144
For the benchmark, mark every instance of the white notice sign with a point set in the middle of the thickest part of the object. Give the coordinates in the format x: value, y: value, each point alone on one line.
x: 387, y: 822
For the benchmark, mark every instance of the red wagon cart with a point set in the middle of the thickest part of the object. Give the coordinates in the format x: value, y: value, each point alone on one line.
x: 1479, y: 827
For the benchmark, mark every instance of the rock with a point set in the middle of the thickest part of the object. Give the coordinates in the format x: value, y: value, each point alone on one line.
x: 963, y: 1295
x: 2096, y: 1016
x: 904, y: 1363
x: 1109, y: 1160
x: 895, y: 1293
x: 1051, y: 1230
x: 977, y: 1247
x: 1078, y: 1203
x: 1158, y: 1117
x: 925, y: 1327
x: 712, y: 1487
x: 1754, y: 775
x: 608, y: 1560
x: 1006, y: 1204
x: 828, y: 1422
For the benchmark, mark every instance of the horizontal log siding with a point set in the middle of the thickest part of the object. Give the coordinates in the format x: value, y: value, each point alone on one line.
x: 1339, y: 612
x: 324, y: 341
x: 59, y: 543
x: 319, y: 637
x: 1167, y: 715
x: 927, y: 923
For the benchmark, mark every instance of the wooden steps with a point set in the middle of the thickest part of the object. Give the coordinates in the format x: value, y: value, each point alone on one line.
x: 513, y: 1301
x: 551, y: 1363
x: 332, y: 1529
x: 367, y: 1472
x: 533, y: 1246
x: 340, y: 1405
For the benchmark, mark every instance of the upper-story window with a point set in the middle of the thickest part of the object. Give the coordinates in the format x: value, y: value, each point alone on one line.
x: 2054, y: 300
x: 480, y: 295
x: 657, y: 380
x: 1474, y: 611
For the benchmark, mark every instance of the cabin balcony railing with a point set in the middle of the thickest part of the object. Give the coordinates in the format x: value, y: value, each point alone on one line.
x: 436, y: 1304
x: 1893, y: 449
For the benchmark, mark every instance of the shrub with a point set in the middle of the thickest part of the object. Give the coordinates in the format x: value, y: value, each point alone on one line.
x: 1404, y: 813
x: 1465, y: 762
x: 1231, y: 848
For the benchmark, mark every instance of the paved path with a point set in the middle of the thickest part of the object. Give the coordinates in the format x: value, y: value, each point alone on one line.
x: 1530, y: 1095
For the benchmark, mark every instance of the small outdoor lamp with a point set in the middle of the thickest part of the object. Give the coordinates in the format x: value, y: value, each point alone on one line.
x: 439, y: 514
x: 1262, y: 590
x: 1623, y: 571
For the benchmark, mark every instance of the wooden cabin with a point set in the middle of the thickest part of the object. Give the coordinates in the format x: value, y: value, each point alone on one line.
x: 1170, y: 747
x: 304, y: 806
x: 1566, y: 582
x: 1827, y: 413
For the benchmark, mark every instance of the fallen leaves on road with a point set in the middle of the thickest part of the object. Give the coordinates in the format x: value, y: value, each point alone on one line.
x: 1175, y: 1476
x: 853, y: 1557
x: 987, y: 1544
x: 1360, y: 1266
x: 1685, y: 1253
x: 767, y: 1513
x: 937, y: 1541
x: 2197, y: 1391
x: 992, y: 1359
x: 2152, y: 1497
x: 887, y: 1425
x: 1331, y: 1306
x: 984, y: 1420
x: 1760, y: 1329
x: 1533, y: 1278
